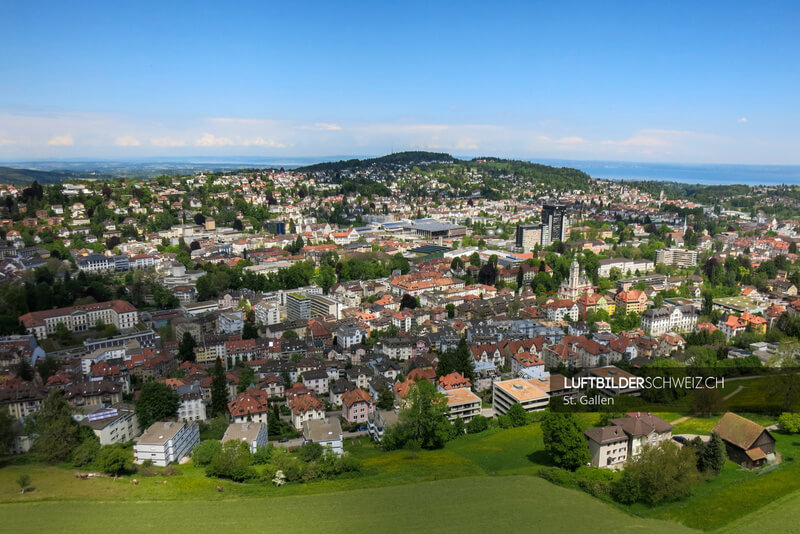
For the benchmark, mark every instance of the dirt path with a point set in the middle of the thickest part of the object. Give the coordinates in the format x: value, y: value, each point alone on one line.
x: 734, y: 392
x: 680, y: 420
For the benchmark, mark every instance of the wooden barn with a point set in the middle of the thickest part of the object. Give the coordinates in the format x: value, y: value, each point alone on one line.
x: 747, y: 443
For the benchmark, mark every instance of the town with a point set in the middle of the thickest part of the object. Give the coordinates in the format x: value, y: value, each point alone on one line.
x: 403, y: 303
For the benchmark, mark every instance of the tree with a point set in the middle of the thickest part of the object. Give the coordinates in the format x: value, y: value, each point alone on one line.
x: 156, y: 401
x: 479, y: 423
x: 475, y: 259
x: 219, y: 390
x: 6, y: 431
x: 47, y: 367
x: 204, y: 452
x: 457, y: 360
x: 250, y: 331
x: 517, y: 415
x: 408, y: 301
x: 659, y: 474
x: 24, y: 482
x: 712, y: 457
x: 425, y: 417
x: 233, y: 461
x: 790, y: 422
x: 25, y: 370
x: 246, y: 378
x: 186, y: 348
x: 564, y: 441
x: 310, y: 452
x: 784, y: 387
x: 115, y: 460
x: 86, y: 453
x: 58, y: 433
x: 385, y: 399
x: 451, y: 310
x: 707, y: 401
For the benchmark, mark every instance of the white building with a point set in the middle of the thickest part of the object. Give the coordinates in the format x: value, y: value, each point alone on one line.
x: 657, y: 321
x: 113, y: 425
x: 119, y: 313
x: 326, y: 432
x: 267, y: 312
x: 254, y: 434
x: 518, y: 390
x: 166, y: 442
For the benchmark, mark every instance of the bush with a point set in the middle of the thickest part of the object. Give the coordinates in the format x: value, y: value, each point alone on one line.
x: 310, y: 452
x: 478, y: 423
x: 517, y: 415
x: 204, y: 452
x: 790, y: 422
x: 233, y: 462
x: 170, y: 471
x: 115, y: 460
x: 663, y: 473
x: 262, y: 455
x: 86, y: 453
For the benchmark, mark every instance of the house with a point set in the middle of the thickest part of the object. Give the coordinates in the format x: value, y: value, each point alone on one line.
x: 632, y: 300
x: 250, y: 406
x: 306, y: 408
x: 192, y: 407
x: 558, y: 309
x: 254, y: 434
x: 316, y: 379
x: 608, y: 446
x: 746, y: 442
x: 357, y: 405
x: 166, y: 442
x: 326, y: 432
x: 454, y: 380
x: 732, y: 326
x: 611, y: 446
x: 379, y: 421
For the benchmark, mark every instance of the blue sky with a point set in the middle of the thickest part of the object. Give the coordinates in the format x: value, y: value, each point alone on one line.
x: 639, y: 81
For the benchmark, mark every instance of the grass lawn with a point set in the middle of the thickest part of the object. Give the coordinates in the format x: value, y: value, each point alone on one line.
x: 488, y: 504
x: 475, y: 482
x: 736, y: 492
x: 779, y: 517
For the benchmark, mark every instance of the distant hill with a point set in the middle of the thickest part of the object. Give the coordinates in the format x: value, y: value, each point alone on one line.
x: 398, y: 158
x: 10, y: 175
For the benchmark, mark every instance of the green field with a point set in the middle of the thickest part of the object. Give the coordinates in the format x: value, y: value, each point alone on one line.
x: 482, y: 481
x: 486, y: 504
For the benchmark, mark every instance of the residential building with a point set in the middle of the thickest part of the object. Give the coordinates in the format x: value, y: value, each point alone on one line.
x: 306, y: 408
x: 357, y: 405
x: 379, y: 421
x: 166, y: 442
x: 327, y: 432
x: 119, y: 313
x: 250, y: 406
x: 528, y: 236
x: 518, y: 390
x: 554, y: 223
x: 254, y: 434
x: 462, y: 404
x: 117, y: 424
x: 677, y: 257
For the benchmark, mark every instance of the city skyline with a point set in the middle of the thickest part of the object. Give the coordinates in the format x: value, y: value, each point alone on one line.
x: 640, y: 83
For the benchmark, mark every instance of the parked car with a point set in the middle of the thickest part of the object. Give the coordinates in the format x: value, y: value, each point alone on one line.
x: 680, y: 439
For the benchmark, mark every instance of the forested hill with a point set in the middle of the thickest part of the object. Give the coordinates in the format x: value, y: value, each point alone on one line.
x: 490, y: 175
x: 9, y: 175
x: 390, y: 160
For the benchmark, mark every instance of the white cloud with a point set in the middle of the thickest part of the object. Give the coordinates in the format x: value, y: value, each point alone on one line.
x: 743, y: 120
x: 260, y: 141
x: 166, y: 142
x: 570, y: 140
x: 4, y: 141
x: 61, y: 140
x: 321, y: 126
x: 126, y: 140
x: 211, y: 140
